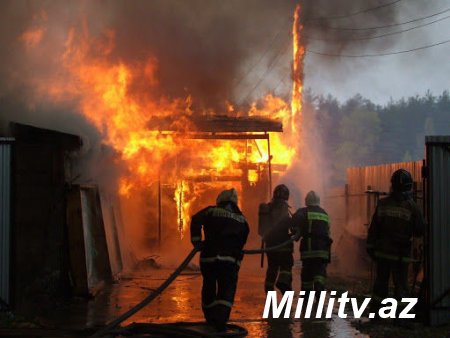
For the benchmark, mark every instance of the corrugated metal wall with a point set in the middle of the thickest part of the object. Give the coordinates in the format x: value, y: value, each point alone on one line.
x: 5, y: 217
x: 438, y: 260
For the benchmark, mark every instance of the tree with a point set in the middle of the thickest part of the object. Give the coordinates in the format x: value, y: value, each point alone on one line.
x: 359, y: 132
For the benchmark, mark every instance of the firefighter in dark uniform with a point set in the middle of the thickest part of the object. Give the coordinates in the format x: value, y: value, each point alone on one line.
x: 313, y: 227
x: 396, y: 221
x: 225, y: 232
x: 280, y: 262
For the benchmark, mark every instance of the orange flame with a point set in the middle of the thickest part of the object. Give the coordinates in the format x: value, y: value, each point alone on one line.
x: 127, y: 116
x: 297, y: 69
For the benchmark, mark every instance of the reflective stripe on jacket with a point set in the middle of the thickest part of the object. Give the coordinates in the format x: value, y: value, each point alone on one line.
x: 225, y: 230
x: 314, y: 228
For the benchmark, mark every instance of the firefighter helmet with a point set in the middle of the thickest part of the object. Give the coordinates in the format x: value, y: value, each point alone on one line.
x: 227, y: 196
x: 401, y: 181
x: 281, y: 192
x: 312, y: 199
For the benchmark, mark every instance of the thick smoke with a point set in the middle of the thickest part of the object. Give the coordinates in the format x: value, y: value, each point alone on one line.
x: 339, y: 26
x: 212, y: 50
x: 199, y: 45
x: 200, y: 48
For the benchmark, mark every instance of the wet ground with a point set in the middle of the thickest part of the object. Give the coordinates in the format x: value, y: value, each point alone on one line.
x: 181, y: 303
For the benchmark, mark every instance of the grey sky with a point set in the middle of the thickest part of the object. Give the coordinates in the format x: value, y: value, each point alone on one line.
x: 380, y: 78
x: 377, y: 78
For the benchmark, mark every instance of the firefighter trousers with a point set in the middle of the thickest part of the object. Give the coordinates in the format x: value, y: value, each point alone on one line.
x: 314, y: 274
x: 384, y: 269
x: 279, y: 271
x: 218, y: 290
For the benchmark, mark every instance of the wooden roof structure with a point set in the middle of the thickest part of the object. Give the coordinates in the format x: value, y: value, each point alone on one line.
x: 220, y: 127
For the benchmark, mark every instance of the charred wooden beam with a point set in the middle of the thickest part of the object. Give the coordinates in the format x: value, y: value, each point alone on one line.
x: 210, y: 178
x: 213, y: 136
x: 216, y: 124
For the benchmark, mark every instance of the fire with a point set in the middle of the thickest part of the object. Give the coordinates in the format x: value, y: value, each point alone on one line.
x: 182, y: 205
x: 33, y: 36
x: 122, y: 100
x: 297, y: 69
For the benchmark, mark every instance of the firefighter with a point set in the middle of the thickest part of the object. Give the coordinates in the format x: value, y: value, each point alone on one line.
x: 396, y: 221
x: 274, y: 221
x: 313, y: 227
x: 225, y: 231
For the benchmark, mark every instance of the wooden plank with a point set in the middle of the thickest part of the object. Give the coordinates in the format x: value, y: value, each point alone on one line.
x: 205, y: 136
x: 221, y: 123
x: 98, y: 264
x: 75, y: 234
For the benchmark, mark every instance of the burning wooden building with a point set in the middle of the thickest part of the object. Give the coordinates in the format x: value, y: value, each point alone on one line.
x: 247, y: 165
x: 61, y: 236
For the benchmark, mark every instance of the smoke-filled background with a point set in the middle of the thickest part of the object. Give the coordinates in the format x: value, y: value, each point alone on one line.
x: 220, y: 52
x: 214, y: 53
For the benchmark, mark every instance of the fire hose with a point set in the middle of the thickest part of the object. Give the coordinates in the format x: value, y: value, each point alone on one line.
x: 155, y: 293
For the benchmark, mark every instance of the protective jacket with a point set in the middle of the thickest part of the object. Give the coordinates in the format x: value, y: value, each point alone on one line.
x: 225, y: 229
x: 396, y: 220
x: 313, y: 227
x: 279, y: 219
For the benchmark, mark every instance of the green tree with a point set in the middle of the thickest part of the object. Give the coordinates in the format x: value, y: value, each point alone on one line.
x: 359, y: 132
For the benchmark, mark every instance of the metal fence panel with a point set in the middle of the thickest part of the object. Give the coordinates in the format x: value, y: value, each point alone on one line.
x: 438, y: 163
x: 5, y: 218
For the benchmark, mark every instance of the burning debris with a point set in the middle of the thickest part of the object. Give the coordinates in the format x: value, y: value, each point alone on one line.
x: 155, y: 91
x: 173, y: 141
x: 173, y: 149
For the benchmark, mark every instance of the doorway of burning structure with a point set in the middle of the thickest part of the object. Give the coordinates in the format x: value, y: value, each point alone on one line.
x: 197, y: 186
x: 89, y: 259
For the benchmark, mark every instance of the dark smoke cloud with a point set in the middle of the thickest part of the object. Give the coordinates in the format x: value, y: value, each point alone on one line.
x: 203, y: 47
x: 200, y: 45
x: 321, y: 18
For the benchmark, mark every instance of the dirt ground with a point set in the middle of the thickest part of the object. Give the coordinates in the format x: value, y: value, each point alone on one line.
x: 181, y: 303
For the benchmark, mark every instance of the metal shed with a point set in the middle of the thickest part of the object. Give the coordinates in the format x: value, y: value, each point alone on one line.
x: 438, y: 251
x: 5, y: 220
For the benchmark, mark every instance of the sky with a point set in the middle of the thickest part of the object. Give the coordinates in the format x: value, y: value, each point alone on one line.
x: 377, y: 78
x: 396, y: 76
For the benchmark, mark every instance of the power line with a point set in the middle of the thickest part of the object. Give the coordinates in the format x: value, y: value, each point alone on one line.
x: 384, y: 26
x: 380, y: 54
x: 280, y: 83
x: 274, y: 61
x: 354, y: 13
x: 378, y: 36
x: 250, y: 69
x: 279, y: 53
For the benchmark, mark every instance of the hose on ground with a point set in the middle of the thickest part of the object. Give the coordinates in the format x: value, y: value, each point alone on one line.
x: 111, y: 325
x: 149, y: 298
